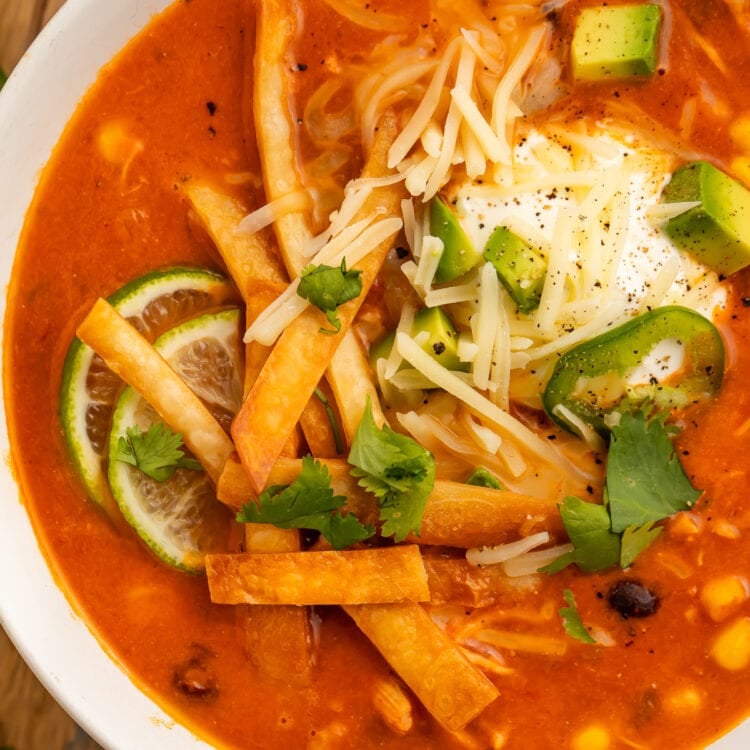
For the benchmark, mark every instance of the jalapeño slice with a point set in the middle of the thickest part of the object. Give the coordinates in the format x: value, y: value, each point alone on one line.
x: 672, y: 356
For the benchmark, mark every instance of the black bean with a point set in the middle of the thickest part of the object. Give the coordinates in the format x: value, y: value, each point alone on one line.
x: 632, y: 599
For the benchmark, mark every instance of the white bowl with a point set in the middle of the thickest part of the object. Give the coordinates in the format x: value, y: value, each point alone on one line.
x: 35, y: 105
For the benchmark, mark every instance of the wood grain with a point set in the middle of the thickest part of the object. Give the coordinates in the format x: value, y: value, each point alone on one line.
x: 30, y: 718
x: 20, y: 22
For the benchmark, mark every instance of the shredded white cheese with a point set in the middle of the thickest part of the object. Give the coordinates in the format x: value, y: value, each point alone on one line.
x: 502, y: 552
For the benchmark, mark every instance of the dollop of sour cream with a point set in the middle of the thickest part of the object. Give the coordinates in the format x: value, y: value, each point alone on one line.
x: 595, y: 198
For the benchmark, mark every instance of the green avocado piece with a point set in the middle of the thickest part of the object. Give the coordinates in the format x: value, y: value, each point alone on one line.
x: 459, y: 254
x: 616, y: 42
x: 716, y: 232
x: 520, y: 268
x: 482, y: 477
x: 441, y: 343
x: 3, y: 78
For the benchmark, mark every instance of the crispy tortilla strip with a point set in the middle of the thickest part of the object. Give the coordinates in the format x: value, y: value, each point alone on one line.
x: 273, y: 643
x: 455, y: 581
x: 266, y: 627
x: 265, y: 537
x: 456, y: 515
x: 352, y: 385
x: 248, y: 258
x: 386, y: 574
x: 302, y: 353
x: 277, y: 20
x: 255, y: 268
x: 276, y: 30
x: 461, y: 515
x: 131, y: 357
x: 427, y: 660
x: 317, y: 426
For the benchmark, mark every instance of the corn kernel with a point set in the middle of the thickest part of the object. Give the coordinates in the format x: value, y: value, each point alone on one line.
x: 722, y: 596
x: 724, y: 529
x: 740, y: 132
x: 740, y: 168
x: 686, y: 700
x: 731, y: 649
x: 116, y: 144
x: 591, y: 738
x: 685, y: 524
x: 691, y: 615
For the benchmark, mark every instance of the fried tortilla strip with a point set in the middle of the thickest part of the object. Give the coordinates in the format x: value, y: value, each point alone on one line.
x: 249, y: 258
x: 255, y: 268
x: 131, y: 357
x: 352, y: 386
x: 427, y: 660
x: 385, y: 574
x: 302, y: 353
x: 349, y: 374
x: 276, y: 30
x: 456, y: 515
x: 455, y: 581
x: 462, y: 515
x: 319, y: 420
x: 265, y: 627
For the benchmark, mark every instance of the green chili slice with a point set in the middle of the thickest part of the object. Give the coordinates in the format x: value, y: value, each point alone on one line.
x: 671, y: 356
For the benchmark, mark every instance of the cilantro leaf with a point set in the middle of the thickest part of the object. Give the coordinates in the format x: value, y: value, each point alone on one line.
x: 397, y: 470
x: 645, y: 479
x: 572, y: 623
x: 588, y: 526
x: 308, y: 503
x: 327, y: 287
x: 481, y: 477
x: 635, y: 539
x: 156, y: 452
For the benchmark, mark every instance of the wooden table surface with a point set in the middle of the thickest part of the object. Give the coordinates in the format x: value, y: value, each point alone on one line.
x: 30, y: 719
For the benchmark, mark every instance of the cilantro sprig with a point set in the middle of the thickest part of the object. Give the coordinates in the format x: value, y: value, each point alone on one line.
x: 393, y: 467
x: 327, y: 287
x: 308, y: 503
x: 572, y: 622
x: 397, y: 470
x: 645, y: 483
x: 156, y: 452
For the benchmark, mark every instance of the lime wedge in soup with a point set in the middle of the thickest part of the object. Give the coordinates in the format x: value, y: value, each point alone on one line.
x: 153, y: 303
x: 180, y: 519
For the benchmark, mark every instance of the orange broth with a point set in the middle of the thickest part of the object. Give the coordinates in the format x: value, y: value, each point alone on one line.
x: 90, y: 230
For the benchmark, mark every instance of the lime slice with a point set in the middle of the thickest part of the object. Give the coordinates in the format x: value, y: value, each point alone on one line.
x: 180, y: 519
x: 153, y: 304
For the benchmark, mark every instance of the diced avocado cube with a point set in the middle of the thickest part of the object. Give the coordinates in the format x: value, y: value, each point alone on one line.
x: 441, y: 343
x: 616, y: 42
x: 459, y: 254
x: 3, y: 78
x: 520, y: 268
x: 716, y: 232
x: 482, y: 477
